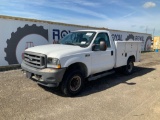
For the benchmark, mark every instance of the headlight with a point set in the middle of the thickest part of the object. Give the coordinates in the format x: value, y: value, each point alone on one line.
x: 54, y: 61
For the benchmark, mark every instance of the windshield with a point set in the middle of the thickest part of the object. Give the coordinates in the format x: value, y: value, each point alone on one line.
x: 80, y: 38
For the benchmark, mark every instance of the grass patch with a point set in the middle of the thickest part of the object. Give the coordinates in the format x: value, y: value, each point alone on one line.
x: 9, y: 67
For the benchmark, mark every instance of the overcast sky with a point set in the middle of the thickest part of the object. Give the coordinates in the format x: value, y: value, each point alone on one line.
x: 132, y: 15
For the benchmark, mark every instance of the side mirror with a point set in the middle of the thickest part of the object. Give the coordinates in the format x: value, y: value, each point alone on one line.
x: 103, y: 45
x: 93, y: 47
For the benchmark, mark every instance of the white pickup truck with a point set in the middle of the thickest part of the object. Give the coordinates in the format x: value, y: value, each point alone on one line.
x: 79, y: 56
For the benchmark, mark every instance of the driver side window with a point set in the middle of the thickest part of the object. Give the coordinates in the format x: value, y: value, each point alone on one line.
x: 102, y: 37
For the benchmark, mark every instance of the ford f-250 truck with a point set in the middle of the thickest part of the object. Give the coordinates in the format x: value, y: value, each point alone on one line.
x: 79, y: 56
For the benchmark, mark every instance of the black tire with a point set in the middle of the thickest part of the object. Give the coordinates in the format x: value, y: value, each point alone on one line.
x: 72, y: 83
x: 16, y: 38
x: 128, y: 69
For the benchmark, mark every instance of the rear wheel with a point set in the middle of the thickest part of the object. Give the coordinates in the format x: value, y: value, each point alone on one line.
x: 128, y: 69
x: 72, y: 83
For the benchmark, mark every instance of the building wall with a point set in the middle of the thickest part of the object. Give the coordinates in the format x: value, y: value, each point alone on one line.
x: 156, y: 42
x: 18, y: 34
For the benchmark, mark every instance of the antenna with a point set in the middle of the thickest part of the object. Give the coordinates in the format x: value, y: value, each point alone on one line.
x: 153, y: 33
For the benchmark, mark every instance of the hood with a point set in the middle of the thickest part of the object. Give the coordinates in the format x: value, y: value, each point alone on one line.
x: 56, y: 50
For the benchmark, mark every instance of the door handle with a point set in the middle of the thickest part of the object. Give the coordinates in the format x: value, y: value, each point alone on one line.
x: 111, y: 53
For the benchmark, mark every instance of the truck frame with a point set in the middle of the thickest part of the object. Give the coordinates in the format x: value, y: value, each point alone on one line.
x: 79, y: 56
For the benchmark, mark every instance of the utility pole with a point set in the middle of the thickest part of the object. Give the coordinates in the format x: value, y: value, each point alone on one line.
x: 146, y: 28
x: 153, y: 33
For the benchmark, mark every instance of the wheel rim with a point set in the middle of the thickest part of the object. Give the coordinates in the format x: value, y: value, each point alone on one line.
x: 130, y: 66
x: 75, y: 83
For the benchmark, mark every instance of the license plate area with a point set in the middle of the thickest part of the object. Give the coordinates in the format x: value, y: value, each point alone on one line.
x: 28, y: 75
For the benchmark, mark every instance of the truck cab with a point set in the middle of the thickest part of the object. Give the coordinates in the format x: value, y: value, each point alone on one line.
x: 80, y: 55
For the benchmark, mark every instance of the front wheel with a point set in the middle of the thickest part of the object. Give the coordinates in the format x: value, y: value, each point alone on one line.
x: 128, y: 69
x: 72, y: 83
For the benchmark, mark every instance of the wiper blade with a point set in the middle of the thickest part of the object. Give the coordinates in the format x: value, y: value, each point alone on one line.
x: 69, y: 43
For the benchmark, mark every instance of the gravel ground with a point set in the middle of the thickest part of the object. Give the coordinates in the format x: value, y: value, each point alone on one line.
x: 115, y: 97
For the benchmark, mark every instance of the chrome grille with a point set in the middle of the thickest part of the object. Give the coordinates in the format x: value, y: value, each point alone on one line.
x: 35, y: 60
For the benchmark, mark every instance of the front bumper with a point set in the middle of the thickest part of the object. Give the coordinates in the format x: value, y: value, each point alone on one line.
x: 47, y: 77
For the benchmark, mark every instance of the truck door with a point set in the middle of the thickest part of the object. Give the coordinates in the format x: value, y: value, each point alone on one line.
x: 102, y: 60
